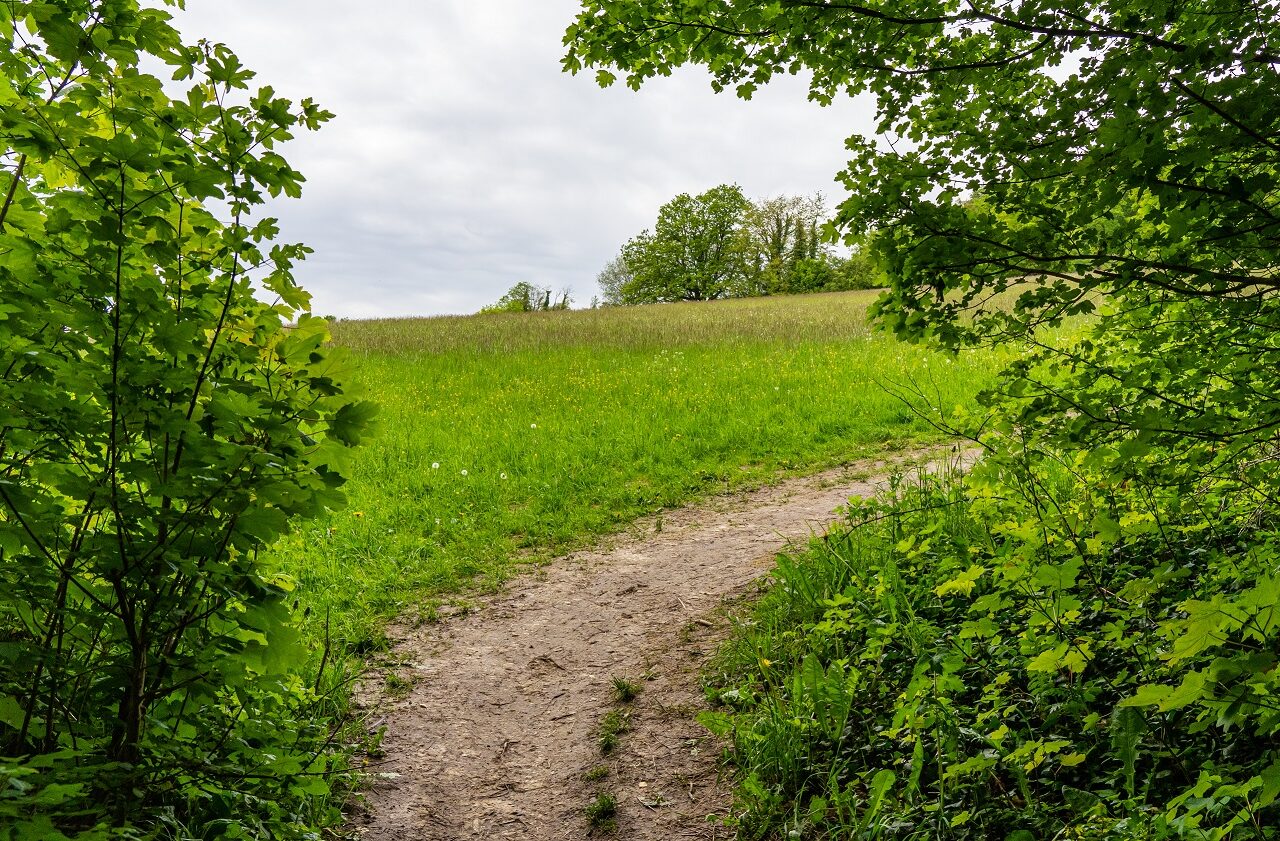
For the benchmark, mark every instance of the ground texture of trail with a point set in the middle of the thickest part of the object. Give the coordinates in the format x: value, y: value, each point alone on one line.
x: 501, y: 726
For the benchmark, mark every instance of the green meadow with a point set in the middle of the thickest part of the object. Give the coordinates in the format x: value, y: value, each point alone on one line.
x: 508, y: 438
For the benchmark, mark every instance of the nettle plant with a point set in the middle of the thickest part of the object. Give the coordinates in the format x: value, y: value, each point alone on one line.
x: 161, y: 423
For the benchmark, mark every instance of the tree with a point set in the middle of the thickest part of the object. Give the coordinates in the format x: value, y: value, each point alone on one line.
x: 613, y: 279
x: 160, y: 426
x: 782, y: 233
x: 695, y: 252
x: 772, y: 246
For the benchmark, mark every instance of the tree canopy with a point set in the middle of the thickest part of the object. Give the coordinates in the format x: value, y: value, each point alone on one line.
x: 613, y: 280
x: 694, y: 252
x: 781, y: 239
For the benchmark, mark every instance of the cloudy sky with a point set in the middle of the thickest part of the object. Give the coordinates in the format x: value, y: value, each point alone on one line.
x: 462, y: 160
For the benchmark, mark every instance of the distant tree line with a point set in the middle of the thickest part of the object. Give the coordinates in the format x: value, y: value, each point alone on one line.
x: 719, y: 244
x: 527, y: 297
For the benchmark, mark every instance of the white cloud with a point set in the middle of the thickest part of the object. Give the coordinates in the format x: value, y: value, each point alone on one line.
x: 462, y: 159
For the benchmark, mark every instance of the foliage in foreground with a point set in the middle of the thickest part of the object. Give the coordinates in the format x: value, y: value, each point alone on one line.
x: 1043, y: 650
x: 159, y: 427
x: 1078, y: 641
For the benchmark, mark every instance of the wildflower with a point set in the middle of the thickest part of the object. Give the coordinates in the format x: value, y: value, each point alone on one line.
x: 533, y: 426
x: 502, y: 475
x: 435, y: 465
x: 464, y: 473
x: 357, y: 514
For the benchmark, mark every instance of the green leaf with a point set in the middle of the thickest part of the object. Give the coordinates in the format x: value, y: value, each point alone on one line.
x: 962, y: 583
x: 1050, y: 660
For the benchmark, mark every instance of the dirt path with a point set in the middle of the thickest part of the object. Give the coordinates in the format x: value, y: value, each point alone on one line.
x: 500, y: 728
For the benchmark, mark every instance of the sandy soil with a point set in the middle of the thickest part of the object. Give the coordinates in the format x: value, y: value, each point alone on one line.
x: 501, y: 725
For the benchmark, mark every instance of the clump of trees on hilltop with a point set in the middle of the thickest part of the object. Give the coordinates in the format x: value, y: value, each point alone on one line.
x: 526, y: 297
x: 719, y: 244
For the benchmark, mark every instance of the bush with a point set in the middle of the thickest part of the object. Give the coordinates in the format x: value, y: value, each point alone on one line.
x: 1040, y: 651
x: 159, y: 427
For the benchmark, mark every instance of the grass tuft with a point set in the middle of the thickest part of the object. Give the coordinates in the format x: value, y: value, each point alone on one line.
x: 624, y: 690
x: 602, y: 812
x: 397, y: 686
x: 614, y: 724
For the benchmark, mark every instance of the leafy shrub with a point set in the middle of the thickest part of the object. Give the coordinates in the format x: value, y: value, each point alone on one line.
x: 159, y: 426
x: 1040, y: 651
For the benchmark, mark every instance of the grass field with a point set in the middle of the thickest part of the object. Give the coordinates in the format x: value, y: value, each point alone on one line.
x: 522, y: 435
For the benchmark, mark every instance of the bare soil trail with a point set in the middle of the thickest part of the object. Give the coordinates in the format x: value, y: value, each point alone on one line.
x: 496, y: 736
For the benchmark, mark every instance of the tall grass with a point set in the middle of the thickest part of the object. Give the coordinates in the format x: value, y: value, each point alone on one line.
x: 831, y: 317
x: 521, y: 435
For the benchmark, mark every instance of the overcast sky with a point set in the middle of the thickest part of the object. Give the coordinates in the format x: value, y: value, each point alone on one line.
x: 462, y: 160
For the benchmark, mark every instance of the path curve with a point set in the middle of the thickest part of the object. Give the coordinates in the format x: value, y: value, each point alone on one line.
x: 495, y: 737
